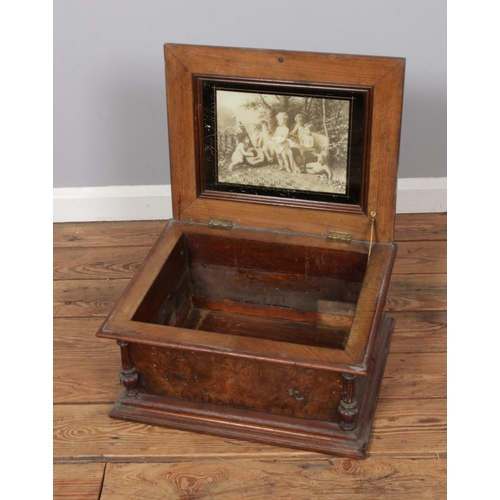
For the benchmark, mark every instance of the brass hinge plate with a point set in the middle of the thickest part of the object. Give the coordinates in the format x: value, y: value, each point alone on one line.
x: 215, y: 223
x: 338, y: 237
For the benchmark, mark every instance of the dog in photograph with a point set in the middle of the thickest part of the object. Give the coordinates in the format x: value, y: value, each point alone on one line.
x: 320, y: 166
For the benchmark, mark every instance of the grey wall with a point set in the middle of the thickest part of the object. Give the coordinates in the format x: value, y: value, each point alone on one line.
x: 109, y: 99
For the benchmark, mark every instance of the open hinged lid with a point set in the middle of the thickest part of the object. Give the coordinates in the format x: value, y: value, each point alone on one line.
x: 294, y: 141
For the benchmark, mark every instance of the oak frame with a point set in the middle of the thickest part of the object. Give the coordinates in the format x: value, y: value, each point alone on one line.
x: 382, y: 76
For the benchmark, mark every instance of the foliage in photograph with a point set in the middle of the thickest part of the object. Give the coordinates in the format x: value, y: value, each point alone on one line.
x: 297, y: 142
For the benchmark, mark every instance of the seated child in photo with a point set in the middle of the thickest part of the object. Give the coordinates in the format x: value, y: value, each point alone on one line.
x: 307, y: 139
x: 299, y: 130
x: 241, y: 152
x: 264, y: 141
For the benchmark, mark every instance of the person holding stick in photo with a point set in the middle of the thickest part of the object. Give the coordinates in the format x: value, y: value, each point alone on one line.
x: 281, y: 143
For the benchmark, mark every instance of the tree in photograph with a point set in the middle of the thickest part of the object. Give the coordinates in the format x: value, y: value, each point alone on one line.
x: 329, y: 117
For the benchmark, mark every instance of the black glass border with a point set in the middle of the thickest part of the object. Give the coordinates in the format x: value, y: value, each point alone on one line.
x: 208, y: 184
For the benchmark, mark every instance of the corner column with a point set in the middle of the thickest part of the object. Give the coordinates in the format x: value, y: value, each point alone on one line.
x: 348, y: 409
x: 128, y: 375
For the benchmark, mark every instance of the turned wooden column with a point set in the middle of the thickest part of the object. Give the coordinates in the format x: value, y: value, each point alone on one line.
x: 128, y: 374
x: 348, y: 407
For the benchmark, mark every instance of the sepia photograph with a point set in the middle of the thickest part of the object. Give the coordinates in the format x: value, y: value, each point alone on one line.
x: 283, y: 141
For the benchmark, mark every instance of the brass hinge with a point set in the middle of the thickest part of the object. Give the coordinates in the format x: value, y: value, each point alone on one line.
x: 215, y: 223
x: 338, y: 237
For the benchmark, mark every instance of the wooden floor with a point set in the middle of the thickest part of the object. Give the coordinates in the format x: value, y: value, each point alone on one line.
x: 99, y: 458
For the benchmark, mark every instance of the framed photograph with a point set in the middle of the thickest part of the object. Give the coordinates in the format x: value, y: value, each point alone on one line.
x: 282, y: 140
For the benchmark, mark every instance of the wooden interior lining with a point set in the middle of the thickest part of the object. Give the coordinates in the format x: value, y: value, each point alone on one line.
x: 271, y: 328
x: 275, y: 257
x: 261, y: 289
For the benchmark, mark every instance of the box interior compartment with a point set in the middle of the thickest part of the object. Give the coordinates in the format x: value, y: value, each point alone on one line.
x: 276, y: 291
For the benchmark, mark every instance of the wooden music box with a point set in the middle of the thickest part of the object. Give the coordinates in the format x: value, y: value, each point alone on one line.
x: 258, y: 313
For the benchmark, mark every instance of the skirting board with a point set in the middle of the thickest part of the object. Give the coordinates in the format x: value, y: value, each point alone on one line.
x: 115, y: 203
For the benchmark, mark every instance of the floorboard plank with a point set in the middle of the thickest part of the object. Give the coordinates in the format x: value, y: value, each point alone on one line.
x: 107, y: 234
x: 97, y: 263
x: 260, y: 479
x: 94, y: 379
x: 74, y: 328
x: 421, y: 257
x: 426, y: 257
x: 78, y: 481
x: 408, y: 428
x: 93, y: 263
x: 409, y: 292
x: 86, y: 433
x: 414, y: 375
x: 86, y: 367
x: 408, y: 227
x: 86, y: 297
x: 419, y: 331
x: 420, y: 227
x: 417, y: 292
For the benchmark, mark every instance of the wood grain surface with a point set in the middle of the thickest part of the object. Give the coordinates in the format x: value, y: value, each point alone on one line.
x: 78, y: 481
x: 259, y: 479
x: 96, y: 457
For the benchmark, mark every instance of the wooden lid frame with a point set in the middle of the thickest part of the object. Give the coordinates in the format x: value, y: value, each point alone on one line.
x: 381, y: 77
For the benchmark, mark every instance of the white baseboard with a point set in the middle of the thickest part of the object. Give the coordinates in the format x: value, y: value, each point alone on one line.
x: 115, y: 203
x: 421, y: 195
x: 112, y: 203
